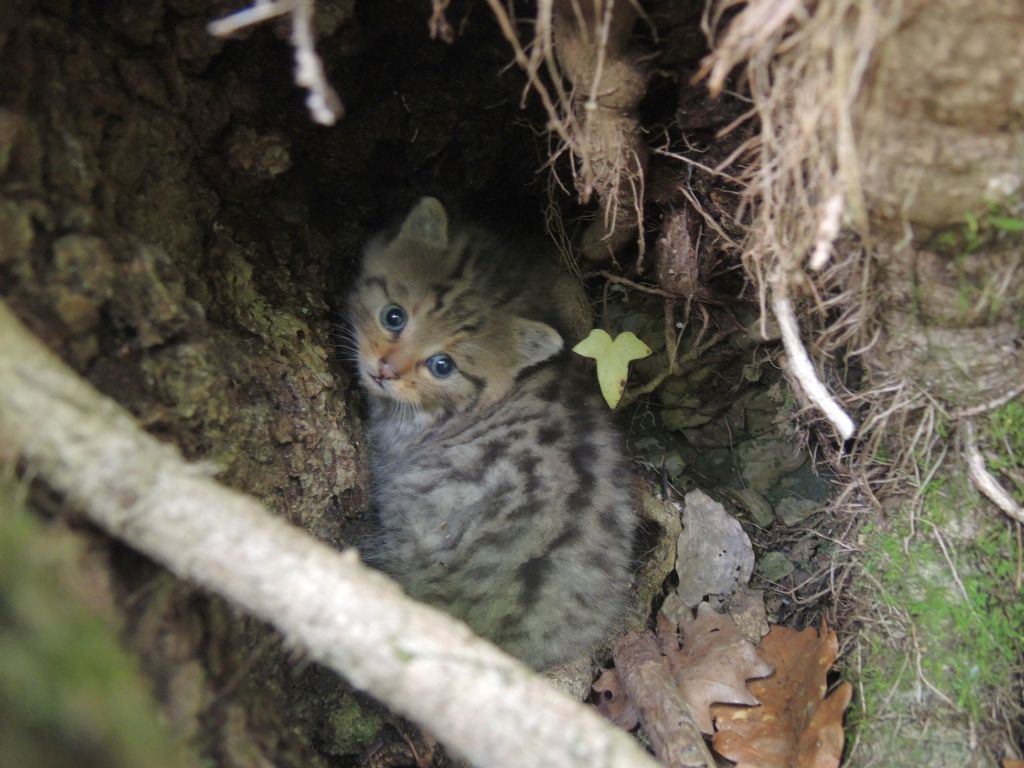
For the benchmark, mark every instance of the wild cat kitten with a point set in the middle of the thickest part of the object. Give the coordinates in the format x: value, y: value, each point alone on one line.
x: 499, y: 483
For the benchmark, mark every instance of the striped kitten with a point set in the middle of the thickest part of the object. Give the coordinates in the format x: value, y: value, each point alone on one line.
x: 499, y: 483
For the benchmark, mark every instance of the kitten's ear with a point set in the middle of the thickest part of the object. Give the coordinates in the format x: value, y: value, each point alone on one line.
x: 427, y: 221
x: 534, y: 342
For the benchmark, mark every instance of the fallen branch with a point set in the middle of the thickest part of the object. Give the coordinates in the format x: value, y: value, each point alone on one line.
x: 420, y: 662
x: 802, y: 369
x: 659, y: 705
x: 322, y: 101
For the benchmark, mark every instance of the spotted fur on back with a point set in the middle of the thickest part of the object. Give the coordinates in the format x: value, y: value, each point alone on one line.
x: 500, y: 488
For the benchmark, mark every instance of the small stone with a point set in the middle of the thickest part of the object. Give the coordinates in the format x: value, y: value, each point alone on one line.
x: 673, y: 463
x: 755, y: 504
x: 681, y: 418
x: 764, y: 461
x: 774, y: 566
x: 792, y: 510
x: 714, y: 555
x: 79, y: 313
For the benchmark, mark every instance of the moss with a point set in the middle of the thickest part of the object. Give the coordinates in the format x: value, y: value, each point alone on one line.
x: 965, y: 628
x: 352, y: 727
x: 1005, y: 451
x: 69, y: 692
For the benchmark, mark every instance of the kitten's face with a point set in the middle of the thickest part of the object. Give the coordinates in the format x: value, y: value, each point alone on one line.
x: 427, y: 334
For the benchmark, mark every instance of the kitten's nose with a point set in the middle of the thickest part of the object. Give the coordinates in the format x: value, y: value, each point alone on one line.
x: 385, y: 371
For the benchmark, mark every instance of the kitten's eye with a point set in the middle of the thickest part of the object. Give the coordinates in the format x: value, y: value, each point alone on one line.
x: 393, y: 318
x: 442, y: 366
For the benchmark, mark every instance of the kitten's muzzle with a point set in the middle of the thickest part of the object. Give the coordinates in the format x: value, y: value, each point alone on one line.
x: 385, y: 371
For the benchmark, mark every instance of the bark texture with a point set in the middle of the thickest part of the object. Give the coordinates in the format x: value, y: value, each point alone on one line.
x: 174, y: 226
x: 942, y: 137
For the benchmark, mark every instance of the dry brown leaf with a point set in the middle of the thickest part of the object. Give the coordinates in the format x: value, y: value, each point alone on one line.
x: 613, y: 702
x: 713, y: 664
x: 795, y: 726
x: 1009, y: 762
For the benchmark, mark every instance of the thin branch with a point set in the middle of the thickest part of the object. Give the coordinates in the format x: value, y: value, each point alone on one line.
x: 419, y: 661
x: 991, y: 405
x: 322, y: 100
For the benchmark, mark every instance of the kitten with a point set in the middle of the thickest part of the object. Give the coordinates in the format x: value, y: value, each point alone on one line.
x: 499, y: 483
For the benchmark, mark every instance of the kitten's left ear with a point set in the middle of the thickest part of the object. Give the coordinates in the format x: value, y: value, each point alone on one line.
x: 534, y: 342
x: 427, y: 221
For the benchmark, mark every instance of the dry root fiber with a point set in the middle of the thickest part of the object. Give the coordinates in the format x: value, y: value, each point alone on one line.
x: 583, y: 44
x: 838, y: 229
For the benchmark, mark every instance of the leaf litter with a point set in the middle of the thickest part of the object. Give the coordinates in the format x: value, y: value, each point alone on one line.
x: 690, y: 677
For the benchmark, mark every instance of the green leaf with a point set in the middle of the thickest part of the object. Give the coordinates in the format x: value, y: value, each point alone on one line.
x: 972, y: 225
x: 613, y: 359
x: 1007, y: 223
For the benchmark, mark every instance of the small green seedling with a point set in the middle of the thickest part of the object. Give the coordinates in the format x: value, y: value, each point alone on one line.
x: 613, y: 359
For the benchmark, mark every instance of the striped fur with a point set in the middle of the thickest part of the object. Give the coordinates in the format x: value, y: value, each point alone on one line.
x: 501, y: 491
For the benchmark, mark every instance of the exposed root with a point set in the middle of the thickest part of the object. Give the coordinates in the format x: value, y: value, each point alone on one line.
x: 322, y: 100
x: 594, y: 120
x: 800, y: 366
x: 828, y: 231
x: 439, y: 26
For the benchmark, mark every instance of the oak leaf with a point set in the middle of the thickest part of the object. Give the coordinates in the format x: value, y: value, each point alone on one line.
x: 796, y: 726
x: 613, y: 359
x: 713, y: 664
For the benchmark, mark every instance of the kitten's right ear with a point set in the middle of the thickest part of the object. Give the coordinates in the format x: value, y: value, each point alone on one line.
x: 535, y: 342
x: 427, y: 221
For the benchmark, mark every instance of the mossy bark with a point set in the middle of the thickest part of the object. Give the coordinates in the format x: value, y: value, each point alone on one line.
x: 176, y: 228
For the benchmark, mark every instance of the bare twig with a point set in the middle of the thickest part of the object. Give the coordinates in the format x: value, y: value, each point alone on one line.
x: 419, y: 661
x: 984, y: 481
x: 613, y: 278
x: 999, y: 402
x: 322, y: 100
x: 439, y: 26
